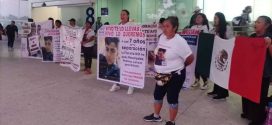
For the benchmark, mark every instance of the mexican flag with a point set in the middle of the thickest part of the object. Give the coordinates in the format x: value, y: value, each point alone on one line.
x: 236, y: 64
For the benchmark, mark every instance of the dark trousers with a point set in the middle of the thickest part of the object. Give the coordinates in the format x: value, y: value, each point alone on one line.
x: 172, y: 88
x: 205, y: 78
x: 220, y: 91
x: 0, y: 36
x: 11, y: 41
x: 254, y: 111
x: 87, y: 51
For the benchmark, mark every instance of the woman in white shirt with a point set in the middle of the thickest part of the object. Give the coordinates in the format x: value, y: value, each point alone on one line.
x: 224, y: 31
x: 173, y: 54
x: 202, y: 24
x: 124, y: 16
x: 87, y: 46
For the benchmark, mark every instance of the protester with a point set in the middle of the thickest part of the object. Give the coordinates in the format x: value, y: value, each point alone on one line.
x: 176, y: 55
x: 224, y: 31
x: 124, y: 16
x: 72, y: 23
x: 87, y: 44
x: 53, y: 25
x: 11, y: 31
x: 98, y: 24
x: 253, y: 111
x: 201, y: 23
x: 160, y: 30
x: 192, y: 20
x: 58, y: 24
x: 241, y: 23
x: 1, y: 31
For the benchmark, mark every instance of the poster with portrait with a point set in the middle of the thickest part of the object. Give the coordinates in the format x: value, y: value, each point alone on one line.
x: 50, y: 45
x: 70, y: 47
x: 151, y: 34
x: 122, y: 55
x: 31, y: 36
x: 191, y: 36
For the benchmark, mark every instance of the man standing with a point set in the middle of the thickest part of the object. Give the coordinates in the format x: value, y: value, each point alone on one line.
x: 72, y: 23
x: 98, y: 24
x: 11, y: 31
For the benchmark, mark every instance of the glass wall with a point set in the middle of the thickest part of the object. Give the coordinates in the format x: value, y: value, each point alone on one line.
x: 147, y: 11
x: 233, y: 8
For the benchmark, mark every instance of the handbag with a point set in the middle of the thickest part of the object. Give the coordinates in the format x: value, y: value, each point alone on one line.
x: 162, y: 79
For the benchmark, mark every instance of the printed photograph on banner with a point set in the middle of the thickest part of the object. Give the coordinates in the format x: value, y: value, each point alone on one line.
x: 160, y: 57
x: 47, y: 48
x: 108, y: 59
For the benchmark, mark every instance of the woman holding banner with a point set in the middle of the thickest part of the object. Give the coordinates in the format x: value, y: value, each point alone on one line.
x: 224, y: 31
x: 173, y: 54
x: 251, y: 110
x: 201, y: 23
x: 124, y: 16
x: 88, y: 43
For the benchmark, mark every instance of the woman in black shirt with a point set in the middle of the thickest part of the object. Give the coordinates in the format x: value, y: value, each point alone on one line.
x: 251, y: 110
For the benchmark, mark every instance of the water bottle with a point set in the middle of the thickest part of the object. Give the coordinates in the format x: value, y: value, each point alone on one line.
x: 269, y: 114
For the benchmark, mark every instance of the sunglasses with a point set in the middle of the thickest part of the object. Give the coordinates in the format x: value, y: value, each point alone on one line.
x: 112, y: 50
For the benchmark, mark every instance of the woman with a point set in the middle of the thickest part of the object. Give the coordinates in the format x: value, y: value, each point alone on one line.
x: 202, y: 24
x: 251, y: 110
x: 87, y: 46
x: 224, y: 31
x: 173, y: 63
x: 58, y: 24
x: 124, y: 16
x: 1, y: 31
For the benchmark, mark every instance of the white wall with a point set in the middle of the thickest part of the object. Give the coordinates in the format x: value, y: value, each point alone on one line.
x: 43, y: 13
x: 16, y: 8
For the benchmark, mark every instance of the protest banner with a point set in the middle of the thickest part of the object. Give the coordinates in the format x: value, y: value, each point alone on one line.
x: 70, y: 47
x: 122, y: 55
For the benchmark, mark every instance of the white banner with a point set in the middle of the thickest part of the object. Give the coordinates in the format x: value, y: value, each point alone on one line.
x: 151, y: 34
x: 121, y: 55
x: 191, y: 36
x: 70, y: 44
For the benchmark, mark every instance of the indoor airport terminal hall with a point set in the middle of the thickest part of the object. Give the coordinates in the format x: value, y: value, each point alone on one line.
x: 135, y: 62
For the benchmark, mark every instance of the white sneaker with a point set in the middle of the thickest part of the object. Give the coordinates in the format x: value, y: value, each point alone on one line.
x: 114, y: 88
x: 196, y: 83
x: 205, y: 86
x: 130, y: 90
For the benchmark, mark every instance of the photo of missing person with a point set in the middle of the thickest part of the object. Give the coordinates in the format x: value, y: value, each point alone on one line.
x: 160, y: 59
x: 47, y: 51
x: 108, y: 67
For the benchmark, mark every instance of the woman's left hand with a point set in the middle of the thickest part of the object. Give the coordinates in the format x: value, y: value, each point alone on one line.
x: 268, y: 41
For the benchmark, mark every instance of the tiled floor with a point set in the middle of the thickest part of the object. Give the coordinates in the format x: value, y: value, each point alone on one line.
x: 36, y: 93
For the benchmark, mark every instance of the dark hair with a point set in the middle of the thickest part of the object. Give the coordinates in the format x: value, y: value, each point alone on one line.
x: 106, y: 23
x: 221, y: 29
x: 30, y: 20
x: 162, y: 50
x: 161, y: 20
x: 50, y: 18
x: 89, y: 22
x: 205, y: 20
x: 58, y: 21
x: 114, y: 40
x: 127, y: 12
x: 48, y: 38
x: 12, y: 21
x: 174, y: 21
x: 267, y: 21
